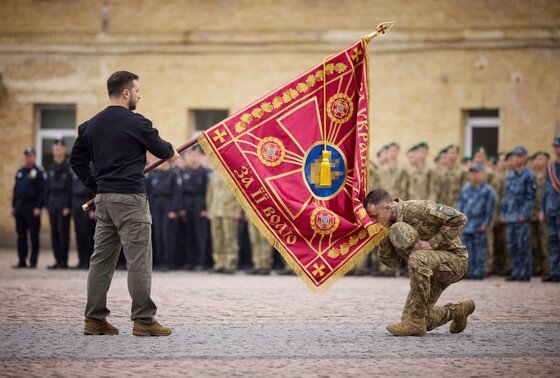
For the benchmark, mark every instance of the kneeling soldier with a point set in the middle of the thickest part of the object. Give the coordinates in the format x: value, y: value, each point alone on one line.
x: 426, y: 235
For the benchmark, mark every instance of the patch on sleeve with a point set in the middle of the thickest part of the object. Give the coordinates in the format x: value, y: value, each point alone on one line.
x: 443, y: 211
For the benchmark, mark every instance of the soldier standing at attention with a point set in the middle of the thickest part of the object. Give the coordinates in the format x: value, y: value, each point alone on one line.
x: 426, y: 234
x: 59, y: 203
x: 421, y: 175
x: 84, y: 222
x: 477, y: 202
x: 261, y: 252
x: 517, y: 203
x: 27, y: 204
x: 195, y: 185
x: 115, y: 140
x: 168, y: 203
x: 551, y: 214
x: 454, y: 177
x: 539, y: 238
x: 223, y: 212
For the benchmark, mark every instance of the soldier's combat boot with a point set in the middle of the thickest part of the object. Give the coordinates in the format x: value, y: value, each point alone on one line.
x: 154, y: 329
x: 459, y: 313
x: 408, y: 328
x: 97, y: 327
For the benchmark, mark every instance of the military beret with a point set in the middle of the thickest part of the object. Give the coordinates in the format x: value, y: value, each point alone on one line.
x: 403, y: 236
x: 509, y: 154
x: 412, y: 148
x: 422, y: 144
x: 478, y: 149
x: 466, y: 159
x: 541, y: 153
x: 395, y: 144
x: 59, y: 142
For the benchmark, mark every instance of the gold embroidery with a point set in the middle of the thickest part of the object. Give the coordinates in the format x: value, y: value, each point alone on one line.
x: 292, y: 93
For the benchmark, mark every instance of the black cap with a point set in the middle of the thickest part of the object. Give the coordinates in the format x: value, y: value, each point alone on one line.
x: 29, y: 151
x: 59, y: 141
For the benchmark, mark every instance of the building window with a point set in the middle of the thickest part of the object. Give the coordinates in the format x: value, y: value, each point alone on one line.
x: 482, y: 129
x: 54, y: 122
x: 203, y: 119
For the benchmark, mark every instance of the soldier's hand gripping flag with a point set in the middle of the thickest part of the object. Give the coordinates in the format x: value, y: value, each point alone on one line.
x: 297, y: 161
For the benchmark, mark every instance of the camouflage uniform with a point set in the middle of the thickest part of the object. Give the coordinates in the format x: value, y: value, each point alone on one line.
x: 539, y: 238
x: 498, y: 256
x: 421, y: 182
x: 431, y: 271
x: 393, y: 178
x: 261, y: 251
x: 224, y: 211
x: 477, y: 203
x: 454, y: 178
x: 519, y: 195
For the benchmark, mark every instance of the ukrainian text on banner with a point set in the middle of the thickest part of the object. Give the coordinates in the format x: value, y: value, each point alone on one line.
x: 271, y: 156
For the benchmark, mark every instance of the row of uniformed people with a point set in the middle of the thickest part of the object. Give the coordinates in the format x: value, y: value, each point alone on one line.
x: 62, y: 193
x: 517, y: 210
x: 196, y: 220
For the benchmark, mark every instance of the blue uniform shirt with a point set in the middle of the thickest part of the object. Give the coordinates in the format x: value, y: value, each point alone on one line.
x: 477, y: 203
x: 29, y: 188
x: 551, y: 198
x: 519, y: 194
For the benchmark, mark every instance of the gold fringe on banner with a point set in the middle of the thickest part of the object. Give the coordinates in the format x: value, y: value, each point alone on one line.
x: 378, y: 230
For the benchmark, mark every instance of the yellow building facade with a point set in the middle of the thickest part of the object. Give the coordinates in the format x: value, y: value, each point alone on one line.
x: 442, y: 65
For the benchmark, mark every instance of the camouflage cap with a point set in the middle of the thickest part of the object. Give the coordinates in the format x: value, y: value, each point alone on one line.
x: 403, y: 236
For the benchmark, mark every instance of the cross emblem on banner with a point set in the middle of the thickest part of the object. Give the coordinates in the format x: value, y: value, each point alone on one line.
x: 219, y: 136
x: 319, y: 270
x: 356, y: 53
x: 381, y: 29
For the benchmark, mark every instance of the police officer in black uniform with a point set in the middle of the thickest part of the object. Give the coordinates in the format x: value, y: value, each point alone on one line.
x: 196, y: 227
x: 152, y: 180
x: 27, y: 204
x: 59, y: 203
x: 84, y: 222
x: 166, y: 205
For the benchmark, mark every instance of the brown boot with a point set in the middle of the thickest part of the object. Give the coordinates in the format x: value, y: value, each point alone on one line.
x: 459, y: 312
x: 154, y: 329
x: 97, y: 327
x: 407, y: 328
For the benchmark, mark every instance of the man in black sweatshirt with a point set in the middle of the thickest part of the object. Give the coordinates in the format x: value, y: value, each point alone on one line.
x: 116, y: 140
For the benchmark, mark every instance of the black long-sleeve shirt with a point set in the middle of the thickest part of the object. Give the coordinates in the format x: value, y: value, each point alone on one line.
x: 116, y: 140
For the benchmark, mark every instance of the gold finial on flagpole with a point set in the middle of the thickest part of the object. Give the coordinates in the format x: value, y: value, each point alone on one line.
x: 381, y: 29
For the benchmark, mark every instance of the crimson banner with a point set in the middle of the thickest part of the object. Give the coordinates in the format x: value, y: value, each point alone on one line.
x: 297, y: 161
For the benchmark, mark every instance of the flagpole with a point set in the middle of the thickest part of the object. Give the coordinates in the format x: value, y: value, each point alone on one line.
x: 381, y: 29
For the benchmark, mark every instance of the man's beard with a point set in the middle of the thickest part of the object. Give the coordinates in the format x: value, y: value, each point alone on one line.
x: 131, y: 104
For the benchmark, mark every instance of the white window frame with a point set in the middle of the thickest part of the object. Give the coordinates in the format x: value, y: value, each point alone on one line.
x: 50, y: 133
x: 478, y: 122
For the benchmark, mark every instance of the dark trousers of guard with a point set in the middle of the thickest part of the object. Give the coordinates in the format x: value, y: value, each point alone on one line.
x: 197, y: 230
x: 165, y: 232
x: 85, y: 229
x: 60, y: 235
x: 26, y: 222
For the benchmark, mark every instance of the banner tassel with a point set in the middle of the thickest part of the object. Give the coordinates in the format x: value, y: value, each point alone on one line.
x: 325, y: 177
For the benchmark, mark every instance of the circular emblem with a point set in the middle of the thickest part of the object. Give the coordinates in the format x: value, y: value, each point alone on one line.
x: 271, y: 151
x: 323, y: 221
x: 312, y: 168
x: 340, y: 108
